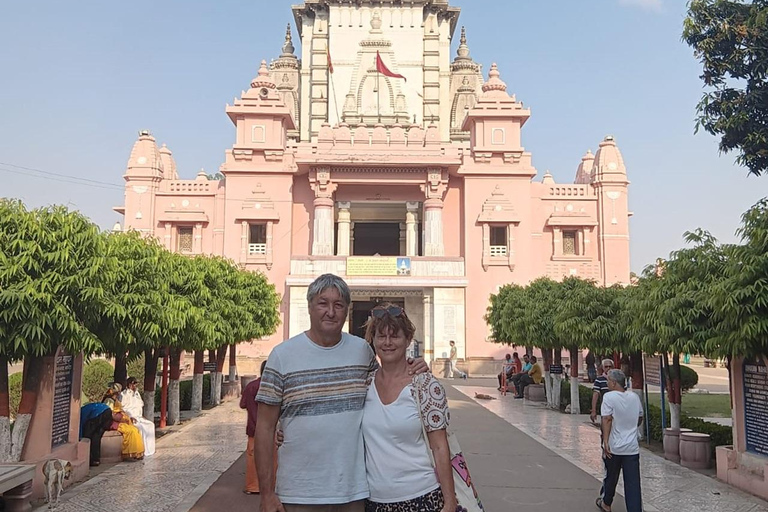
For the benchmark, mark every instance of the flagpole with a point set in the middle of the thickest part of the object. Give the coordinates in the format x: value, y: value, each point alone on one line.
x: 378, y: 89
x: 335, y: 100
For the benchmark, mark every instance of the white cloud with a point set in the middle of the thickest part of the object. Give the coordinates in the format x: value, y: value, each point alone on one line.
x: 649, y: 5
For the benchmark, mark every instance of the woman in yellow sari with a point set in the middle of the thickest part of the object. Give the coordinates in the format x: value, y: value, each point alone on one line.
x: 133, y: 445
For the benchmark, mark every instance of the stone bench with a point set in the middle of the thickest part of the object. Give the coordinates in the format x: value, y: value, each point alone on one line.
x: 535, y: 393
x: 111, y: 447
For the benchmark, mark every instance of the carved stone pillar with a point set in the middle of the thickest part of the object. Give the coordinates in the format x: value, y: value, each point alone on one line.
x: 344, y: 227
x: 198, y: 242
x: 557, y: 241
x: 168, y: 237
x: 243, y: 241
x: 429, y: 346
x: 434, y: 190
x: 322, y: 234
x: 322, y: 241
x: 433, y: 228
x: 411, y: 229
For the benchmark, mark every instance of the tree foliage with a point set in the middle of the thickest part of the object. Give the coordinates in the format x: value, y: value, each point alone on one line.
x: 730, y: 38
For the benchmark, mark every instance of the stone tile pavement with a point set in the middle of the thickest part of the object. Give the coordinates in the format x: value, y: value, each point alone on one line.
x: 187, y: 462
x: 666, y: 486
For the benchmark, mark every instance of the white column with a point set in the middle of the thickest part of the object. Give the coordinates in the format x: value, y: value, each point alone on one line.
x: 168, y: 237
x: 322, y: 241
x: 344, y: 227
x: 411, y: 231
x: 433, y: 228
x: 243, y: 241
x: 198, y: 247
x: 429, y: 346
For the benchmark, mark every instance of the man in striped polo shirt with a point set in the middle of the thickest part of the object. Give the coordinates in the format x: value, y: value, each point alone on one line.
x: 315, y: 384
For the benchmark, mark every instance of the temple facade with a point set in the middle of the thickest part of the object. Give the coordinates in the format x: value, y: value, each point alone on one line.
x: 381, y: 157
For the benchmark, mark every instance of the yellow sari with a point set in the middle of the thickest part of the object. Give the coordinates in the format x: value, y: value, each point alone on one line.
x: 133, y: 445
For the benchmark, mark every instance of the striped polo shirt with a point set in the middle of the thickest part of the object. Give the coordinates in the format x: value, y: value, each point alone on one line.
x: 321, y: 393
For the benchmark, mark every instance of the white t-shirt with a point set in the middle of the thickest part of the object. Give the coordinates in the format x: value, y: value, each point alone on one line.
x: 626, y: 409
x: 397, y: 460
x: 321, y: 393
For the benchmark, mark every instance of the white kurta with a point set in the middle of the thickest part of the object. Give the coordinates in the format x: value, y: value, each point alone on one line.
x: 134, y: 406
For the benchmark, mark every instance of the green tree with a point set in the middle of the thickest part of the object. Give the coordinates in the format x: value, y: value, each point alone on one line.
x: 730, y: 38
x: 740, y: 301
x: 53, y: 273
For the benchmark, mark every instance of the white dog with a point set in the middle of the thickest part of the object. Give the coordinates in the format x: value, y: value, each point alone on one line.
x: 55, y: 472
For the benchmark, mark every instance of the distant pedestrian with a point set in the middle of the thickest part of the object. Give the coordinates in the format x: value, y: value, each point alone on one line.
x: 622, y: 414
x: 248, y: 402
x: 600, y: 388
x: 454, y: 357
x: 590, y: 361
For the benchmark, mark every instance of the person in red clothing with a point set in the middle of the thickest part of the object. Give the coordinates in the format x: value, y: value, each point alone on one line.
x: 248, y: 401
x: 512, y: 366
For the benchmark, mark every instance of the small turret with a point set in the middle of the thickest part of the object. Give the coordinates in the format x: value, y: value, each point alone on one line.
x: 608, y: 163
x: 466, y: 80
x: 584, y: 172
x: 169, y: 164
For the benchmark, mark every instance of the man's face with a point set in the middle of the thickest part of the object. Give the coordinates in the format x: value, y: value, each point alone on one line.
x: 328, y: 312
x: 607, y: 367
x: 526, y: 358
x: 132, y: 386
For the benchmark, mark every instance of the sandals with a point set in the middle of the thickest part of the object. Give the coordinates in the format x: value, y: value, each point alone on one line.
x: 599, y: 503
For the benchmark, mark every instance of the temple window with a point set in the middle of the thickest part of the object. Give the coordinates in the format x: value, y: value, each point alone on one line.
x: 184, y: 239
x: 569, y: 243
x: 257, y: 239
x: 499, y: 242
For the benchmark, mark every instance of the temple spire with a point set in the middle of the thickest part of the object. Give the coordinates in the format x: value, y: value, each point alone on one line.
x: 463, y: 50
x: 288, y: 47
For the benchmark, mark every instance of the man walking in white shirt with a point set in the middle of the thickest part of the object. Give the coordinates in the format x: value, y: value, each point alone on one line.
x: 622, y: 414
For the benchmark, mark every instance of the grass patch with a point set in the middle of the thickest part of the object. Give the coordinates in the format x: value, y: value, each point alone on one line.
x: 700, y: 405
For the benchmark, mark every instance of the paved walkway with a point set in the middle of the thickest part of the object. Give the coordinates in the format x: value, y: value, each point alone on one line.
x: 666, y: 486
x: 187, y: 462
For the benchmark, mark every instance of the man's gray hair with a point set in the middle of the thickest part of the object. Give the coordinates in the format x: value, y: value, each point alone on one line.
x: 326, y: 281
x: 618, y: 377
x: 607, y: 362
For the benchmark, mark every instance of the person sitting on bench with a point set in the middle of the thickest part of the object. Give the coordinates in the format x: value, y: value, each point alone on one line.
x: 534, y: 376
x: 512, y: 366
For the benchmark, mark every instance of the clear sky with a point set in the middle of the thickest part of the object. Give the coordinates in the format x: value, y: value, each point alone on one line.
x: 79, y: 79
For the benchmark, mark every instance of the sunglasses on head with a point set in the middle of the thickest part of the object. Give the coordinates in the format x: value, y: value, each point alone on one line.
x: 393, y: 311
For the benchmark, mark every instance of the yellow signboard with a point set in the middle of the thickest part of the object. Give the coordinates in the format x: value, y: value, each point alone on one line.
x: 378, y: 266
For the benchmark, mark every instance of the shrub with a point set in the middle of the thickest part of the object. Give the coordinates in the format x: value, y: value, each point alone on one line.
x: 688, y: 378
x: 97, y: 374
x: 185, y: 393
x: 14, y: 392
x: 585, y: 396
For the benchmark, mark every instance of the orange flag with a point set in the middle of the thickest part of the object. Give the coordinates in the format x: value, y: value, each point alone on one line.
x: 384, y: 70
x: 330, y: 62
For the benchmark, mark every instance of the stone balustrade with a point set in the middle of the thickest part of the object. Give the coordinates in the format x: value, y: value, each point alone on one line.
x: 570, y: 191
x: 188, y: 186
x: 413, y: 136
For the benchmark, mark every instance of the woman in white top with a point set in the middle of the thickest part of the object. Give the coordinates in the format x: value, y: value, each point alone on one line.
x: 400, y: 474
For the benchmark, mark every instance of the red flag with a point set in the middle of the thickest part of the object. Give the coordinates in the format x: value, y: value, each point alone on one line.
x: 330, y: 62
x: 384, y: 70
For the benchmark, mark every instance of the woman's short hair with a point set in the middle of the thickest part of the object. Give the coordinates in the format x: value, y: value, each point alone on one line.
x: 131, y: 380
x: 389, y: 323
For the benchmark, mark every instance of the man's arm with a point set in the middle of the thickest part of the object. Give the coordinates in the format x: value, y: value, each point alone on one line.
x: 593, y: 413
x: 266, y: 424
x: 417, y: 366
x: 607, y: 422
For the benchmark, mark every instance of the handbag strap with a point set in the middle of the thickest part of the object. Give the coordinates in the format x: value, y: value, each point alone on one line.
x: 417, y: 385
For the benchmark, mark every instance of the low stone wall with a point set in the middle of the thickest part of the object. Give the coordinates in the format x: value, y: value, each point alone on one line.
x: 743, y: 470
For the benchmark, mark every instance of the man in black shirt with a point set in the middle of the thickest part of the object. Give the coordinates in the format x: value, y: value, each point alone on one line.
x: 600, y: 388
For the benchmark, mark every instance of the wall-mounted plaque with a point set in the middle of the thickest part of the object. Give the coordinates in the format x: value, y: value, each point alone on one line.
x: 62, y: 400
x: 756, y: 406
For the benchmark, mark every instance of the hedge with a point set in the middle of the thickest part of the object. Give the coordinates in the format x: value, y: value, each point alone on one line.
x: 688, y: 378
x: 720, y: 435
x: 14, y: 392
x: 97, y: 374
x: 585, y: 396
x: 185, y: 393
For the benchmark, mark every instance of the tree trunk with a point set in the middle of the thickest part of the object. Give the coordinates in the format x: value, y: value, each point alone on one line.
x: 575, y: 403
x: 121, y: 368
x: 33, y: 372
x: 197, y: 381
x: 529, y: 350
x: 557, y: 379
x: 173, y: 387
x: 546, y: 356
x: 5, y: 412
x: 150, y: 377
x: 232, y: 363
x: 216, y: 378
x: 675, y: 395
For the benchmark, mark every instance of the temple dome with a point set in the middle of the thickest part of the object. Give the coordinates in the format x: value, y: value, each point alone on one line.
x: 608, y: 162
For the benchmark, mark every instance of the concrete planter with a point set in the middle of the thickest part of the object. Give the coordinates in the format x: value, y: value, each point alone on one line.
x: 695, y: 450
x: 230, y: 390
x: 672, y: 443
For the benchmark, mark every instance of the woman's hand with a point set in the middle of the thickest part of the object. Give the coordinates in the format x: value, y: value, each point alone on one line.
x: 450, y: 506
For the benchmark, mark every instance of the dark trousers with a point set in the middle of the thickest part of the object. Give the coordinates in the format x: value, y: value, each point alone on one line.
x: 525, y: 380
x: 94, y: 429
x: 630, y: 466
x: 508, y: 376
